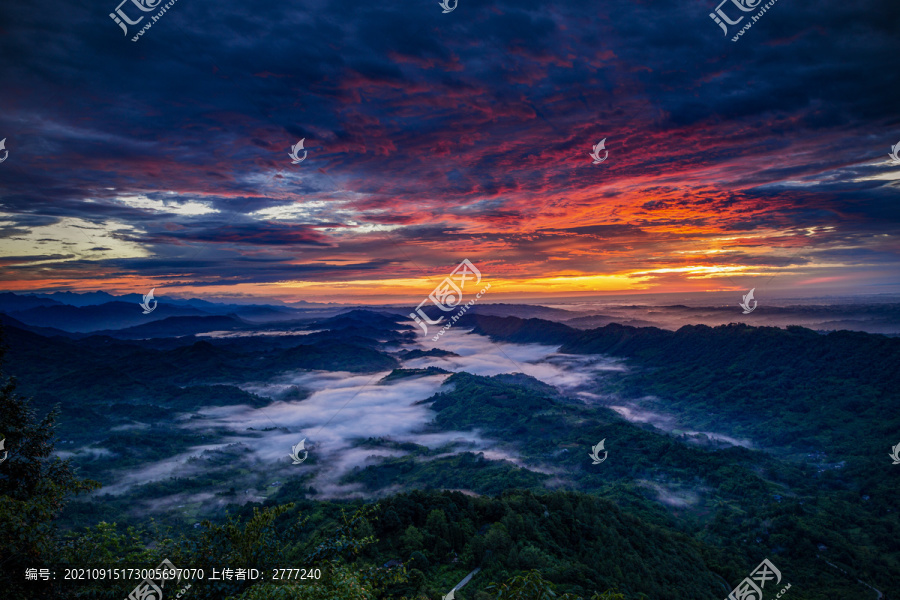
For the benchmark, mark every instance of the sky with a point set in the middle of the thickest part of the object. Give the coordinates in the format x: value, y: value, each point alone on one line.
x: 434, y: 137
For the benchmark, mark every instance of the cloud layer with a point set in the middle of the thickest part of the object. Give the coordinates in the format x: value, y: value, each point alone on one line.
x: 433, y: 137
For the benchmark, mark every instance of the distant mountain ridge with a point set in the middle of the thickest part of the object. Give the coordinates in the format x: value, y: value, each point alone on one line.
x: 178, y: 326
x: 102, y: 312
x: 87, y: 298
x: 98, y: 317
x: 10, y: 302
x: 7, y: 321
x: 97, y: 311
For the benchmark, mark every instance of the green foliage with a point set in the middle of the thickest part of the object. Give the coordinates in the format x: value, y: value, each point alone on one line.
x: 581, y: 543
x: 792, y: 388
x: 351, y: 535
x: 33, y: 490
x: 397, y: 374
x: 412, y: 540
x: 532, y: 586
x: 258, y: 542
x: 529, y: 586
x: 343, y: 583
x: 488, y: 401
x: 104, y: 545
x: 785, y: 387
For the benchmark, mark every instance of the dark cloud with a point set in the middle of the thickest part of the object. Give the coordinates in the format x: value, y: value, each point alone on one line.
x: 422, y: 128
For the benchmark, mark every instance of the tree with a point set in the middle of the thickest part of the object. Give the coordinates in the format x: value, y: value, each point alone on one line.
x: 391, y: 521
x: 344, y: 578
x: 412, y: 540
x: 34, y: 488
x: 532, y: 586
x: 436, y: 524
x: 419, y: 561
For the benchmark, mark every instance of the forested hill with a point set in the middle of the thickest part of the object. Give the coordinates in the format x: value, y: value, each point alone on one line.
x: 786, y: 387
x: 873, y: 356
x: 585, y: 543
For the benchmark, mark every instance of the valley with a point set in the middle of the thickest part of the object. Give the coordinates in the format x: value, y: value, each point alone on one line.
x: 198, y: 429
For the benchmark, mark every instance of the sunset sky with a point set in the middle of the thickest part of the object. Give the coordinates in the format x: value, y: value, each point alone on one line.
x: 432, y: 137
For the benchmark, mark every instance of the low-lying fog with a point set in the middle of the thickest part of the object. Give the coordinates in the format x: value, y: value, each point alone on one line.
x: 345, y: 409
x: 873, y: 314
x: 670, y: 424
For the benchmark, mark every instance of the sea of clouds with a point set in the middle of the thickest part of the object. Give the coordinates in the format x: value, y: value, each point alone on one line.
x: 344, y: 409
